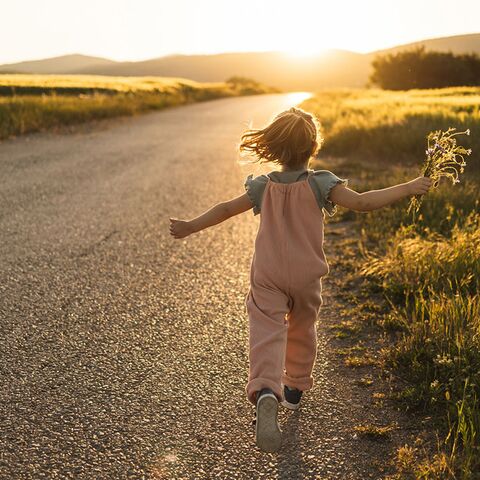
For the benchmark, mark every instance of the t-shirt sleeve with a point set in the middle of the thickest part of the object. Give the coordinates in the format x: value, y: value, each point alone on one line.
x: 255, y: 188
x: 325, y: 181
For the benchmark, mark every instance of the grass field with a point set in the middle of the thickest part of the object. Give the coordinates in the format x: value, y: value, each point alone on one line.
x: 30, y: 103
x: 428, y: 272
x: 391, y: 125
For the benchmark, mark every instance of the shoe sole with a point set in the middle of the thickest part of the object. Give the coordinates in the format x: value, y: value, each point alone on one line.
x: 267, y: 432
x: 290, y: 406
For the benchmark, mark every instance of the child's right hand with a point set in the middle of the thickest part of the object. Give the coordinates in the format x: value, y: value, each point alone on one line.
x: 180, y: 228
x: 419, y: 185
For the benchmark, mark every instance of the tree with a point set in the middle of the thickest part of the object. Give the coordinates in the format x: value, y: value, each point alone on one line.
x: 418, y: 68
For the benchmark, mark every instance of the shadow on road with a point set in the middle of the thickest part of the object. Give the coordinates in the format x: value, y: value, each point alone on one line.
x: 291, y: 464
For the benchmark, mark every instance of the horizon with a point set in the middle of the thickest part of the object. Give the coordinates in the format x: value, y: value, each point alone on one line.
x: 145, y: 29
x: 172, y: 54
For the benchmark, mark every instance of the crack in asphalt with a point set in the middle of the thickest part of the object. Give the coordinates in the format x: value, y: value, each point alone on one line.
x: 91, y: 248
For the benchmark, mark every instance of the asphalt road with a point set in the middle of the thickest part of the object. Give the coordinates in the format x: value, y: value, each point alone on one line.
x: 123, y: 352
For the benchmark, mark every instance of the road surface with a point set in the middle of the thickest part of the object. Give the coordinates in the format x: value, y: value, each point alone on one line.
x: 123, y: 352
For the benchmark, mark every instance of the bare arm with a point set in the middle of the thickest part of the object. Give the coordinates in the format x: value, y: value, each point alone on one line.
x: 217, y: 214
x: 375, y: 199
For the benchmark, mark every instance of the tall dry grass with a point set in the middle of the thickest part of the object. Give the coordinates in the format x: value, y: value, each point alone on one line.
x: 428, y: 271
x: 30, y: 103
x: 391, y: 126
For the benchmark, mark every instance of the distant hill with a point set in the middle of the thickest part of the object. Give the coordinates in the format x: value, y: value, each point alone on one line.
x: 457, y: 44
x: 272, y: 68
x: 333, y: 68
x: 63, y: 64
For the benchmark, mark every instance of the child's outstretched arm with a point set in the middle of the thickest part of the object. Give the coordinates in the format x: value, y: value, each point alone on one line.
x: 375, y: 199
x: 217, y: 214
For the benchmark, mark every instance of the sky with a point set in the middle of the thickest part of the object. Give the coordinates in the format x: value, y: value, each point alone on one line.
x: 142, y: 29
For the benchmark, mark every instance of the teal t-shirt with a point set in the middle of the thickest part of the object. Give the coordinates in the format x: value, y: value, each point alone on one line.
x: 322, y: 181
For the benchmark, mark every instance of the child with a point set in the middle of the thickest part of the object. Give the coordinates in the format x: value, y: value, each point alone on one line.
x: 288, y: 263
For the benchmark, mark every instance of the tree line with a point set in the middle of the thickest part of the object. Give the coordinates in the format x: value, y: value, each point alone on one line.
x: 418, y: 68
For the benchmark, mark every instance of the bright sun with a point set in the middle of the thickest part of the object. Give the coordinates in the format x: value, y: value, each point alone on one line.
x: 304, y: 52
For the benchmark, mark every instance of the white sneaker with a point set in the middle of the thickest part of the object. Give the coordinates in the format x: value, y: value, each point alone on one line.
x: 268, y: 435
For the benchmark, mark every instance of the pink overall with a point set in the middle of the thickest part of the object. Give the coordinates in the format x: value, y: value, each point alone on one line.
x: 284, y: 298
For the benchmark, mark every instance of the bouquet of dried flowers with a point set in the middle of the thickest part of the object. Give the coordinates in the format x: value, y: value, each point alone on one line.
x: 444, y: 159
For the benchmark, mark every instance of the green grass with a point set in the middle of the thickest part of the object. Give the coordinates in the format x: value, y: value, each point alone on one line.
x: 357, y: 362
x: 391, y: 126
x: 431, y: 280
x: 30, y: 103
x: 374, y: 432
x: 428, y: 272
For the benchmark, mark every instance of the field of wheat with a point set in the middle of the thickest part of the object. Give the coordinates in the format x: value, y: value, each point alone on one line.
x: 30, y: 103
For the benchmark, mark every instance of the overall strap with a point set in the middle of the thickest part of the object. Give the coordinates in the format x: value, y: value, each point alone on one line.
x: 269, y: 180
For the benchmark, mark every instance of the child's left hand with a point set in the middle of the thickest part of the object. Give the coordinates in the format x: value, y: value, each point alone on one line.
x: 180, y: 228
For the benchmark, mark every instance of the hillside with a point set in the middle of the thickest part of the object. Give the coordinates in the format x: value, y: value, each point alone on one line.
x: 281, y: 70
x: 333, y: 68
x: 457, y: 44
x: 63, y: 64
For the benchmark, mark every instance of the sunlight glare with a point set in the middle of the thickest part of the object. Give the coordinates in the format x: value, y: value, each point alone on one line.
x: 305, y: 52
x: 295, y: 98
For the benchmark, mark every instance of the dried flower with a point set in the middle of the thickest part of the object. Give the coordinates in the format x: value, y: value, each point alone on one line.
x: 444, y: 159
x: 435, y: 384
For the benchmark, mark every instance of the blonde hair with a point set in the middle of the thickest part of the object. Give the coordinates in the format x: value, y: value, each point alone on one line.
x: 291, y: 139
